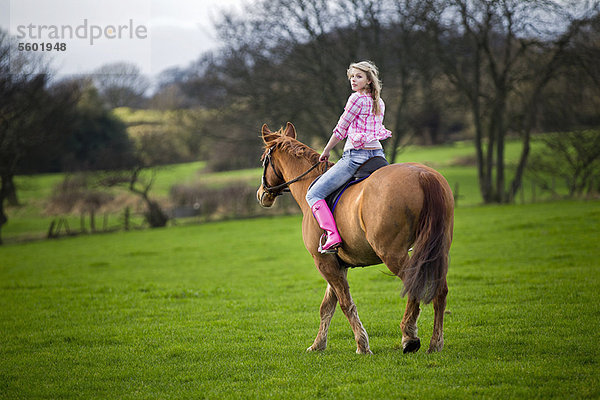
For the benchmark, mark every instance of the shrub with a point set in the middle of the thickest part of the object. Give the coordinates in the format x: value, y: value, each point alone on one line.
x: 75, y: 194
x: 236, y: 200
x: 573, y: 157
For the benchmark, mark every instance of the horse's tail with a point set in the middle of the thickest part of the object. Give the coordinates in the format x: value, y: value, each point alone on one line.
x: 426, y: 271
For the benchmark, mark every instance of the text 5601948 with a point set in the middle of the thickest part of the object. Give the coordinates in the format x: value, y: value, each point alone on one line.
x: 43, y: 46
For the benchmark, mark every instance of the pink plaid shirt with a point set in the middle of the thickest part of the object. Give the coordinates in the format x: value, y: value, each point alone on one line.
x: 359, y: 124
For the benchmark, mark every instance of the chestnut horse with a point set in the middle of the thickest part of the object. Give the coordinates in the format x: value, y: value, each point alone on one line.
x: 398, y: 207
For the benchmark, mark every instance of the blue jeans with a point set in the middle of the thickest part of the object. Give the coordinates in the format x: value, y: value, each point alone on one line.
x: 340, y: 173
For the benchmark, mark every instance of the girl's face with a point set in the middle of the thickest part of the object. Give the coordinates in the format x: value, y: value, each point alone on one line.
x: 358, y: 80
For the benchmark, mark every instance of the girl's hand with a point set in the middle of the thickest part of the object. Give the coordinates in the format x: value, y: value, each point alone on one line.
x: 330, y: 145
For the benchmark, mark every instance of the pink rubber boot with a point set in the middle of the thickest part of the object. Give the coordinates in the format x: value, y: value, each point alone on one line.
x: 325, y: 220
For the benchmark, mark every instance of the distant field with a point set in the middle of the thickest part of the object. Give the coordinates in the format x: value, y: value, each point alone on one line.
x: 455, y: 162
x: 226, y: 310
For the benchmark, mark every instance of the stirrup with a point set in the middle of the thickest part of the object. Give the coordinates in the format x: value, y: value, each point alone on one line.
x: 331, y: 250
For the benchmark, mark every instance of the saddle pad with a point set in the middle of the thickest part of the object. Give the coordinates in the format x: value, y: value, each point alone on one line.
x: 362, y: 173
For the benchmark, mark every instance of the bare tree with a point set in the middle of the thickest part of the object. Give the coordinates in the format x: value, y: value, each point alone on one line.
x: 488, y: 49
x: 137, y: 184
x: 289, y: 58
x: 285, y: 60
x: 121, y: 84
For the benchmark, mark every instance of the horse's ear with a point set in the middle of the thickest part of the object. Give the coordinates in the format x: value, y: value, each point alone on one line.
x: 265, y: 130
x: 290, y: 130
x: 267, y: 135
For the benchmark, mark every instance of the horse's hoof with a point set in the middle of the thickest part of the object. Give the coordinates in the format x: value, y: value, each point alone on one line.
x: 434, y: 347
x: 411, y: 346
x: 313, y: 348
x: 368, y: 352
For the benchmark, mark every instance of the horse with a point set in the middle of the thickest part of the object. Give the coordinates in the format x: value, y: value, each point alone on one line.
x: 398, y: 208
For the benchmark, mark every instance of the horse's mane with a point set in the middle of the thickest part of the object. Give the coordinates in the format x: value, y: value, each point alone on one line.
x: 293, y: 147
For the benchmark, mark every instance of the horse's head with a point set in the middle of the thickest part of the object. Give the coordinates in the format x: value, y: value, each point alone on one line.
x: 273, y: 183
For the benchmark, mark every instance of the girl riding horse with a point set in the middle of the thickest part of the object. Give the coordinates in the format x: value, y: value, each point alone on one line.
x: 398, y: 207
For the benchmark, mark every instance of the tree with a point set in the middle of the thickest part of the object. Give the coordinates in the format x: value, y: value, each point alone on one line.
x: 441, y: 62
x: 91, y: 137
x: 501, y: 55
x: 136, y: 184
x: 294, y: 70
x: 121, y: 84
x: 97, y: 139
x: 31, y: 114
x: 573, y: 157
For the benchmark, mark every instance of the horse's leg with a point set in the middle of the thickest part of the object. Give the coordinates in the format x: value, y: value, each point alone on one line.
x: 337, y: 279
x: 395, y: 262
x: 410, y: 340
x: 439, y: 307
x: 326, y: 311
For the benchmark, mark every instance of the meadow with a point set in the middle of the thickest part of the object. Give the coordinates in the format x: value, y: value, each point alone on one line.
x: 226, y: 310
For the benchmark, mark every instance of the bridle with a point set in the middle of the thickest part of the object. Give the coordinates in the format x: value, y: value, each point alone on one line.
x: 278, y: 190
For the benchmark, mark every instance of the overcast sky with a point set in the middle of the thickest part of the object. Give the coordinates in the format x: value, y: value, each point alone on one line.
x: 178, y: 31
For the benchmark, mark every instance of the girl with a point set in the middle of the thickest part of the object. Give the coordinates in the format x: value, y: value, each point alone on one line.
x: 362, y: 125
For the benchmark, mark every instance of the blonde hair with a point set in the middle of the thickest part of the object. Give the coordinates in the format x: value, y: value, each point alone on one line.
x: 374, y: 86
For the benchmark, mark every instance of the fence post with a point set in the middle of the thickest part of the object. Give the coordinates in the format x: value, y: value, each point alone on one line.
x: 126, y: 217
x: 92, y: 221
x: 50, y: 234
x: 66, y: 224
x: 58, y: 226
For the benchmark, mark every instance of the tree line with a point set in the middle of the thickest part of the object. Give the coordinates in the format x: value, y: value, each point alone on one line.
x: 483, y: 69
x: 452, y: 69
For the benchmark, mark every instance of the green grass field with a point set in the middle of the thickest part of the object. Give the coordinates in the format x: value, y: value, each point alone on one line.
x: 226, y: 310
x: 29, y: 221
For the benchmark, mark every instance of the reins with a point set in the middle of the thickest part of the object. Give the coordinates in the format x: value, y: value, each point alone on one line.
x: 278, y: 190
